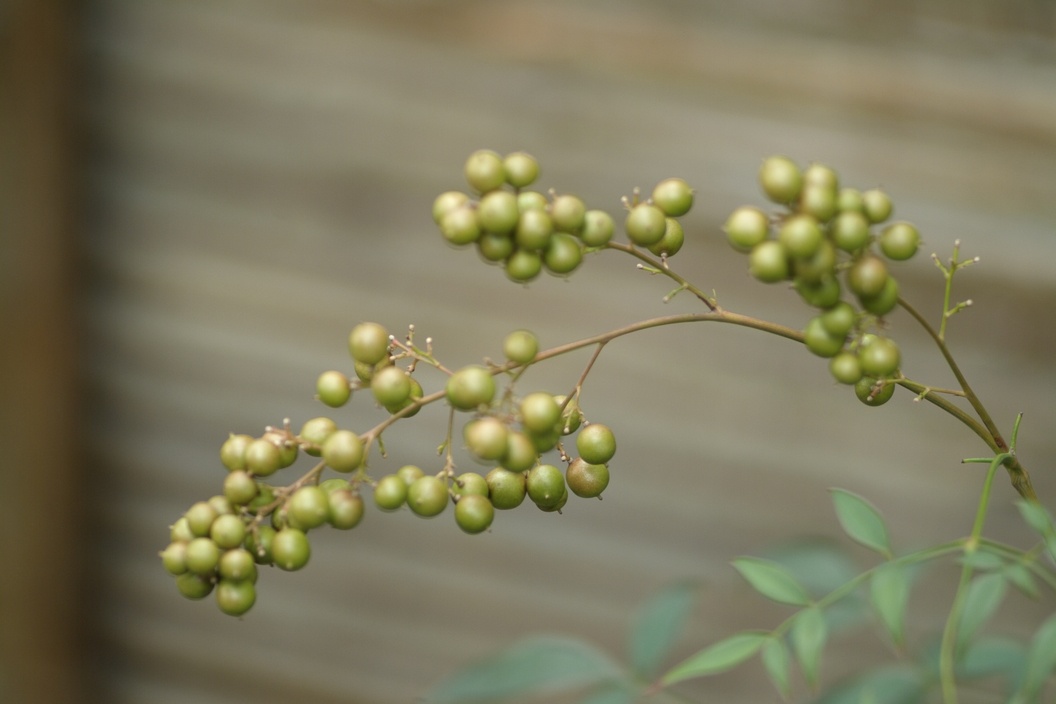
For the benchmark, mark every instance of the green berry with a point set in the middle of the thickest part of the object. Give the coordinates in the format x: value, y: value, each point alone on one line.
x: 533, y: 230
x: 391, y: 386
x: 180, y: 531
x: 863, y: 389
x: 596, y: 444
x: 200, y: 518
x: 781, y: 179
x: 265, y: 496
x: 228, y: 531
x: 877, y: 205
x: 899, y: 241
x: 474, y: 513
x: 416, y: 393
x: 818, y: 202
x: 409, y: 474
x: 597, y: 228
x: 821, y: 176
x: 290, y: 549
x: 470, y: 387
x: 334, y: 484
x: 309, y: 506
x: 364, y: 371
x: 521, y: 453
x: 233, y: 451
x: 202, y: 556
x: 346, y: 509
x: 194, y: 586
x: 823, y: 294
x: 880, y: 358
x: 333, y: 389
x: 747, y: 227
x: 568, y: 213
x: 505, y: 488
x: 470, y: 483
x: 672, y: 240
x: 286, y: 447
x: 260, y: 545
x: 819, y: 341
x: 428, y: 496
x: 571, y: 416
x: 494, y: 247
x: 523, y: 266
x: 817, y: 267
x: 839, y: 319
x: 262, y: 458
x: 563, y: 254
x: 673, y: 196
x: 316, y: 431
x: 343, y: 451
x: 446, y: 202
x: 368, y: 343
x: 544, y: 442
x: 539, y: 412
x: 531, y: 200
x: 498, y: 212
x: 850, y: 231
x: 768, y: 262
x: 885, y: 301
x: 520, y: 346
x: 587, y: 480
x: 235, y: 598
x: 174, y: 558
x: 486, y: 438
x: 849, y: 199
x: 556, y: 507
x: 545, y: 485
x: 238, y: 565
x: 846, y: 368
x: 645, y: 224
x: 484, y: 170
x: 461, y: 226
x: 800, y: 236
x: 867, y: 276
x: 521, y: 169
x: 390, y: 493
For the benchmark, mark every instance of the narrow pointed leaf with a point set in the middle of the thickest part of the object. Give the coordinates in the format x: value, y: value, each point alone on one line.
x: 619, y: 693
x: 658, y: 625
x: 985, y: 594
x: 889, y: 592
x: 718, y: 657
x: 1036, y: 517
x: 891, y: 684
x: 1041, y: 658
x: 778, y: 665
x: 808, y: 640
x: 772, y: 581
x: 1023, y: 579
x: 983, y: 561
x: 861, y: 521
x: 533, y: 666
x: 995, y: 655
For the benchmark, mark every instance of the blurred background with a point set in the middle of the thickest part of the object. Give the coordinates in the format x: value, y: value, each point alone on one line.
x: 198, y: 200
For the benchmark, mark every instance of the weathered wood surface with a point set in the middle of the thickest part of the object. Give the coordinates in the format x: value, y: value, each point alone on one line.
x: 260, y: 181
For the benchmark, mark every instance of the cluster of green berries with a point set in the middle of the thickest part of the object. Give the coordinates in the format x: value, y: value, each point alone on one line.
x: 822, y: 234
x: 218, y: 544
x: 527, y: 230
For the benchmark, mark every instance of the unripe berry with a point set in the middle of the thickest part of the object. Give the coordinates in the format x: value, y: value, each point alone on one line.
x: 562, y: 255
x: 201, y: 556
x: 364, y: 371
x: 174, y: 558
x: 819, y: 341
x: 259, y: 545
x: 522, y: 266
x: 838, y: 320
x: 545, y: 485
x: 849, y: 199
x: 416, y: 393
x: 539, y: 412
x: 346, y: 509
x: 520, y: 346
x: 746, y: 227
x: 800, y: 236
x: 863, y: 389
x: 265, y: 495
x: 880, y: 358
x: 534, y: 230
x: 334, y: 484
x: 645, y: 224
x: 486, y: 438
x: 555, y: 507
x: 427, y: 497
x: 867, y: 276
x: 409, y: 474
x: 877, y: 205
x: 333, y: 389
x: 470, y: 483
x: 571, y: 416
x: 846, y: 368
x: 446, y: 202
x: 180, y: 531
x: 568, y: 213
x: 263, y: 458
x: 823, y: 294
x: 368, y: 343
x: 474, y: 513
x: 290, y: 549
x: 316, y: 431
x: 200, y: 518
x: 484, y: 170
x: 233, y: 451
x: 221, y: 505
x: 850, y: 231
x: 587, y: 480
x: 531, y: 200
x: 521, y: 169
x: 391, y: 386
x: 494, y: 247
x: 286, y: 447
x: 597, y: 228
x: 506, y: 489
x: 498, y: 212
x: 194, y: 586
x: 818, y: 201
x: 470, y: 387
x: 899, y: 241
x: 544, y: 442
x: 461, y: 226
x: 673, y: 196
x: 520, y: 452
x: 596, y: 444
x: 672, y: 240
x: 309, y: 506
x: 817, y: 267
x: 885, y: 301
x: 781, y: 179
x: 238, y: 565
x: 235, y: 598
x: 768, y: 262
x: 821, y: 176
x: 390, y: 493
x: 228, y: 531
x: 343, y: 451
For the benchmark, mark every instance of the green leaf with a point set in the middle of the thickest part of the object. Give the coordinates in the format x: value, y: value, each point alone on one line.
x: 995, y: 655
x: 861, y: 521
x: 822, y: 566
x: 1022, y: 578
x: 658, y: 625
x: 772, y: 581
x: 539, y: 665
x: 619, y: 693
x: 778, y: 665
x: 983, y: 561
x: 718, y: 657
x: 891, y: 684
x: 889, y: 592
x: 808, y: 640
x: 1036, y: 517
x: 985, y: 594
x: 1041, y: 658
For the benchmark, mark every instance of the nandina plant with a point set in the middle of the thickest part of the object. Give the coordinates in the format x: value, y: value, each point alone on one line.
x: 836, y: 247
